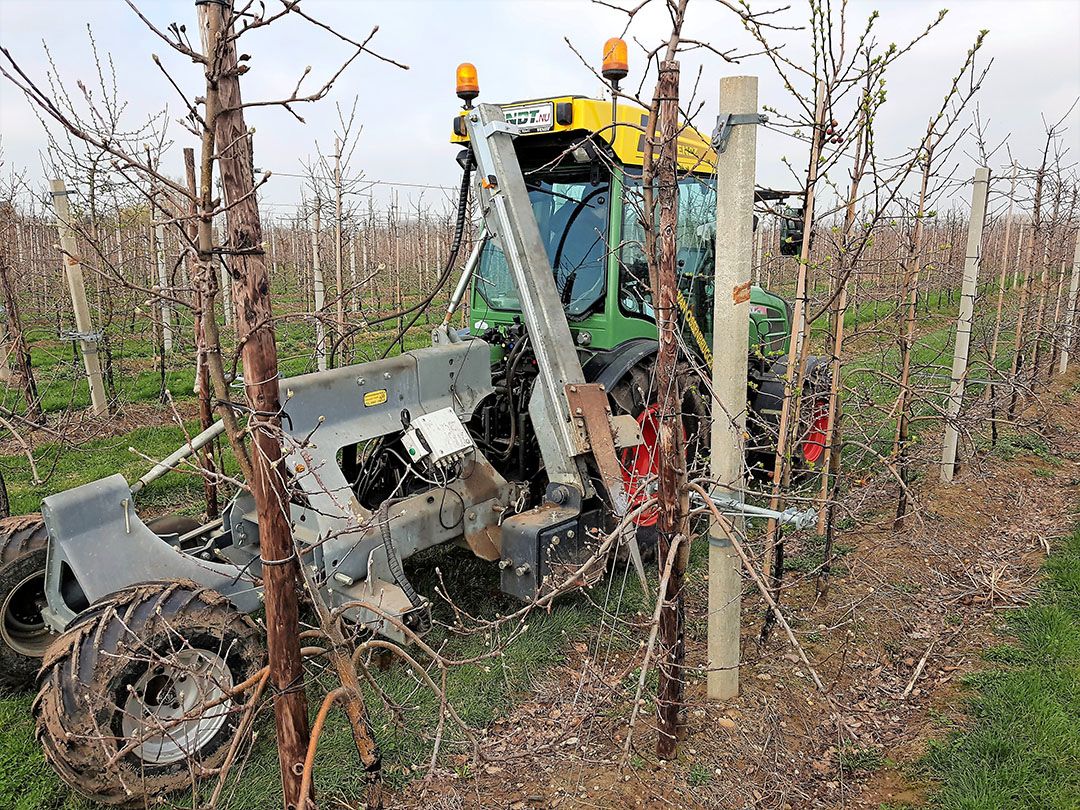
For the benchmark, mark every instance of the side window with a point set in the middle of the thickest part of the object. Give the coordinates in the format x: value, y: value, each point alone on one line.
x: 696, y: 232
x: 635, y: 297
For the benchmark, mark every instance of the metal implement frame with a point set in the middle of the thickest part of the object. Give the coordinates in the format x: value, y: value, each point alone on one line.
x: 509, y: 218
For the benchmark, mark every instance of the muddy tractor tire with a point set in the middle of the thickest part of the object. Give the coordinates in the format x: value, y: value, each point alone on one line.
x: 135, y: 697
x: 24, y: 635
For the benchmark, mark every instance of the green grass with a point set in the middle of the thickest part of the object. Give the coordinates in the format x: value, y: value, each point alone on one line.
x: 1021, y: 749
x: 64, y: 467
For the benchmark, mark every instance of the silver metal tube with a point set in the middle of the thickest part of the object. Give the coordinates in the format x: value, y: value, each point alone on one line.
x: 197, y: 442
x: 466, y: 277
x: 733, y: 506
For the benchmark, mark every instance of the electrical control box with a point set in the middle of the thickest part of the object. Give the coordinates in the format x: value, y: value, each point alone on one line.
x: 438, y: 440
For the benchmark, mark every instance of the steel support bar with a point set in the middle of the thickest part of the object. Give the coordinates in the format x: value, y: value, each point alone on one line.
x: 197, y: 442
x: 509, y: 217
x: 463, y: 282
x: 736, y: 507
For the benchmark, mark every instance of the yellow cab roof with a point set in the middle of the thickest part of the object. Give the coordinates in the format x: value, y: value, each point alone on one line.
x: 566, y: 114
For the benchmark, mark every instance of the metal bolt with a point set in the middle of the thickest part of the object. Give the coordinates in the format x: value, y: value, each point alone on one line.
x: 569, y: 534
x: 360, y: 380
x: 386, y: 375
x: 504, y: 564
x: 472, y: 515
x: 522, y: 570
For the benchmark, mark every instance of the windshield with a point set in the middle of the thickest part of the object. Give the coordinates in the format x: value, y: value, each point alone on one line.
x: 572, y: 214
x: 696, y: 233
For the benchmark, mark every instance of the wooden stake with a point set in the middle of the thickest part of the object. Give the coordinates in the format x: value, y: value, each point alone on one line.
x: 83, y: 325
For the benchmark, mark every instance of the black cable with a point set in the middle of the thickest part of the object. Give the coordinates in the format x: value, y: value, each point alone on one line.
x: 459, y: 230
x: 393, y: 560
x: 455, y: 248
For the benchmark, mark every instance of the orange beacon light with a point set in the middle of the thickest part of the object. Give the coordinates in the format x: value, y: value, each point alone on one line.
x: 468, y: 85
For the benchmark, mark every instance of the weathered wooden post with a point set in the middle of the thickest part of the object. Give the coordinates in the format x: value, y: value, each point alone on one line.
x: 84, y: 327
x: 735, y: 172
x: 963, y: 322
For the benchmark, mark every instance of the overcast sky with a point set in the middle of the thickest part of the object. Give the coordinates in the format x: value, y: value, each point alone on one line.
x: 519, y: 49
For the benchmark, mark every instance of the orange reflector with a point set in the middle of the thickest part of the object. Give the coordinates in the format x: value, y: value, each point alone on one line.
x: 468, y: 85
x: 616, y: 64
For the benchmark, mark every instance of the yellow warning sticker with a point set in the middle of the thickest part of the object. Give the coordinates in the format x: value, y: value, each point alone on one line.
x: 374, y: 397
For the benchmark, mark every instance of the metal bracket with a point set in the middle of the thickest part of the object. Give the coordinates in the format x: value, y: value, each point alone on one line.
x: 84, y: 337
x: 492, y: 127
x: 724, y: 123
x: 733, y: 506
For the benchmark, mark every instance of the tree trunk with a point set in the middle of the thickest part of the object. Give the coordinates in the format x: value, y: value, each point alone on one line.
x: 200, y: 283
x: 255, y: 329
x: 673, y: 505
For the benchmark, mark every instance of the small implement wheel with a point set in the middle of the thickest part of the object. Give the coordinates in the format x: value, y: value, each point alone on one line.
x: 24, y: 635
x: 136, y: 698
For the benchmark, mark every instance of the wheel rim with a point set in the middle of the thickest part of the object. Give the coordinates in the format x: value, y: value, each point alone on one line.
x: 641, y: 466
x: 813, y: 446
x: 22, y: 626
x: 167, y: 692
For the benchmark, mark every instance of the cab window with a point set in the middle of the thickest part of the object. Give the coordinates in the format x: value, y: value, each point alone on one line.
x: 571, y: 211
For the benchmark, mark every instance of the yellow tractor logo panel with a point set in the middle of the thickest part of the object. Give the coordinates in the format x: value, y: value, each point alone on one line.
x: 577, y: 114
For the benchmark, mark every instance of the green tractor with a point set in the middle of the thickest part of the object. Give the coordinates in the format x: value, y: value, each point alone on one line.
x: 585, y: 187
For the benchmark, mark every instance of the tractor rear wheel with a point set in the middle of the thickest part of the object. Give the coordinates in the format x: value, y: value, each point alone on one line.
x: 136, y: 698
x: 763, y: 421
x: 636, y: 395
x: 24, y: 635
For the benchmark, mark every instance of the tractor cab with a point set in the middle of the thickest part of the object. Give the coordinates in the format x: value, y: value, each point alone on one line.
x: 584, y: 180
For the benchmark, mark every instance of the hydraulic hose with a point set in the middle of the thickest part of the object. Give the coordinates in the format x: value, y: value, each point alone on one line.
x: 455, y: 249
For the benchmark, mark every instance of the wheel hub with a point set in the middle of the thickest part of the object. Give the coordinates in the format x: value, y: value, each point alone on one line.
x: 162, y: 710
x: 21, y: 623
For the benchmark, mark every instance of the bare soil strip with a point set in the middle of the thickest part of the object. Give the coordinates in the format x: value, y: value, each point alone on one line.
x: 907, y: 616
